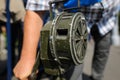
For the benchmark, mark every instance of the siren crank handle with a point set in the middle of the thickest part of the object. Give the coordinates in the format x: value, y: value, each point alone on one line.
x: 33, y: 75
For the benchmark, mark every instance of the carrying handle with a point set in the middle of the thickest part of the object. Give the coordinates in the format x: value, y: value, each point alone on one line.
x: 54, y: 2
x: 33, y: 75
x: 60, y: 2
x: 78, y: 3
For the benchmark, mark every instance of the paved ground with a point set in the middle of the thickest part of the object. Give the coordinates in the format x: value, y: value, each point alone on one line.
x: 112, y: 71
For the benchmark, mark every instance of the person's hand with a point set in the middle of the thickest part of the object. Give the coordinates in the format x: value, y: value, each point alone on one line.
x: 23, y: 68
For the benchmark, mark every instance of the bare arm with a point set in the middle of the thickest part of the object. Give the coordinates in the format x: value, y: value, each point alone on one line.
x: 32, y: 26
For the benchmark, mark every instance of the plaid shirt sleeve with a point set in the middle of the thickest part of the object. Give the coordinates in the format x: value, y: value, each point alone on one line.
x: 99, y: 10
x: 37, y: 5
x: 102, y: 14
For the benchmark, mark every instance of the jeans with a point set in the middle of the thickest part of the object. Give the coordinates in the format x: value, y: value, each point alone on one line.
x: 101, y: 52
x: 75, y: 73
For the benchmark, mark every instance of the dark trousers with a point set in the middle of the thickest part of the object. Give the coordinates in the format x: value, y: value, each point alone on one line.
x: 16, y: 41
x: 74, y: 73
x: 101, y: 52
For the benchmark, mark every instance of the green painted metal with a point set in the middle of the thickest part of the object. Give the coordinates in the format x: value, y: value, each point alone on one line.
x: 63, y: 42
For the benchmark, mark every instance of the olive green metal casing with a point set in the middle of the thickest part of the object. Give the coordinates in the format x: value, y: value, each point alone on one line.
x: 63, y: 42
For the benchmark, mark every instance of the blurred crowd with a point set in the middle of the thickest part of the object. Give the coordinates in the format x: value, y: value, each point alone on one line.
x: 17, y: 12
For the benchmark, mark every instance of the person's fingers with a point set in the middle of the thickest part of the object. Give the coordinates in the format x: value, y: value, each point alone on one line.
x: 23, y: 68
x: 21, y: 75
x: 22, y: 71
x: 25, y: 79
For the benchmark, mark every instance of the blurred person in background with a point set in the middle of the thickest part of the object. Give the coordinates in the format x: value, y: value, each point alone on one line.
x: 3, y: 51
x: 17, y: 13
x: 100, y: 28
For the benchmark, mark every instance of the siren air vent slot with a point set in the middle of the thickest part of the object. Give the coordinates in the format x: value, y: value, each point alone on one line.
x: 62, y: 32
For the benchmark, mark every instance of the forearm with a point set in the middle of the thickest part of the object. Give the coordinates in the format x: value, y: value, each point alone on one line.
x: 32, y: 26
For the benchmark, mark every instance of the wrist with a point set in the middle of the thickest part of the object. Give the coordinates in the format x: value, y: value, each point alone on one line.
x: 28, y: 56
